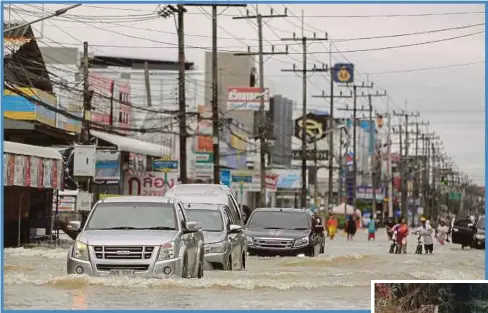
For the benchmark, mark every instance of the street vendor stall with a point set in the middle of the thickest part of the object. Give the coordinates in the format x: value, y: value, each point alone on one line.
x: 31, y: 173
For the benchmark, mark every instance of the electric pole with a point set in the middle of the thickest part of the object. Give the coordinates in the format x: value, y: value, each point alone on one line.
x: 406, y: 162
x: 262, y: 114
x: 182, y: 92
x: 331, y: 126
x: 305, y: 40
x: 85, y: 131
x: 215, y: 91
x: 354, y: 137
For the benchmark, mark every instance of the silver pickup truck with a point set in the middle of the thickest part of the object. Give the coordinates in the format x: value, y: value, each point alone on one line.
x: 137, y: 236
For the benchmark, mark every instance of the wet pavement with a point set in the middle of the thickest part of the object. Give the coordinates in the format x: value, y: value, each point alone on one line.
x: 36, y: 278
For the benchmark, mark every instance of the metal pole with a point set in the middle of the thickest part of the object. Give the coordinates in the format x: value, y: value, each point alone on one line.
x: 407, y: 167
x: 354, y: 160
x: 181, y: 93
x: 56, y: 13
x: 147, y: 81
x: 339, y: 191
x: 56, y: 217
x: 215, y: 104
x: 373, y: 164
x: 316, y: 181
x: 390, y: 176
x: 86, y: 101
x: 331, y: 126
x: 262, y: 122
x: 304, y: 128
x: 19, y: 223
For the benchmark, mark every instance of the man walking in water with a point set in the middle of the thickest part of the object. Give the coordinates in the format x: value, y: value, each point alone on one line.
x: 350, y: 228
x: 401, y: 230
x: 425, y: 230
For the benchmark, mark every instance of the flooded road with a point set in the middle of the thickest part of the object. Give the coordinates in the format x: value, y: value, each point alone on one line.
x: 340, y: 279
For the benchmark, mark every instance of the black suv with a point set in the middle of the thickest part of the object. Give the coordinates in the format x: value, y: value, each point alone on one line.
x: 468, y: 234
x: 276, y: 231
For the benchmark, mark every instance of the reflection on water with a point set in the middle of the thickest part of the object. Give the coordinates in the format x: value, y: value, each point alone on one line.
x: 36, y: 279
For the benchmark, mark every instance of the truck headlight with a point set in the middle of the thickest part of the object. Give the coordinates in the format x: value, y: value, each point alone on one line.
x: 80, y: 251
x: 301, y: 242
x: 217, y: 247
x: 166, y: 251
x: 249, y: 241
x: 479, y: 236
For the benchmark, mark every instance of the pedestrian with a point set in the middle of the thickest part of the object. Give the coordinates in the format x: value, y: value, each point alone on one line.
x: 425, y: 230
x: 390, y: 223
x: 332, y: 226
x: 401, y: 230
x: 442, y: 231
x: 350, y: 228
x: 371, y: 229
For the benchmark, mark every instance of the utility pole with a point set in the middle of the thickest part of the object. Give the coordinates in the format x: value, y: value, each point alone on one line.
x: 215, y: 91
x: 406, y: 160
x: 147, y: 80
x: 182, y: 92
x: 305, y: 41
x: 331, y: 137
x: 262, y: 113
x: 354, y: 136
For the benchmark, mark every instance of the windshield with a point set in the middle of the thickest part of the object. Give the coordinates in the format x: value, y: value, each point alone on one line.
x: 211, y: 220
x: 136, y: 215
x: 279, y: 220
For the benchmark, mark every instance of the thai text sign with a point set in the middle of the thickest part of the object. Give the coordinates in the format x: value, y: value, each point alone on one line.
x: 149, y: 184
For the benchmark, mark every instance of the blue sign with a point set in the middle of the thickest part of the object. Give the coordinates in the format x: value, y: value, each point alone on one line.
x: 225, y: 177
x: 160, y: 165
x: 344, y: 73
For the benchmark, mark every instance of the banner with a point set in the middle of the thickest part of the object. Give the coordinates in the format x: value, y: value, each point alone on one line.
x: 251, y: 181
x: 107, y: 166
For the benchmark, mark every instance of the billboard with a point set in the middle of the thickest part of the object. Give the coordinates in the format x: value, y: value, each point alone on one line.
x: 247, y: 98
x: 204, y: 143
x: 315, y: 127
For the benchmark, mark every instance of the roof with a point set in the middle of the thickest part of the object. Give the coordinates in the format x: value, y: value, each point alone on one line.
x: 209, y: 187
x: 205, y: 206
x: 137, y: 63
x: 199, y: 195
x: 146, y: 199
x: 286, y: 210
x: 24, y: 31
x: 131, y: 145
x: 22, y: 149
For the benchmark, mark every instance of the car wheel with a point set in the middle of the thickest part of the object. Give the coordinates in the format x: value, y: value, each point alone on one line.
x: 184, y: 270
x: 200, y: 267
x: 228, y: 266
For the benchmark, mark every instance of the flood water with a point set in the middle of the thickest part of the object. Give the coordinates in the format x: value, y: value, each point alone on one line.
x: 36, y: 278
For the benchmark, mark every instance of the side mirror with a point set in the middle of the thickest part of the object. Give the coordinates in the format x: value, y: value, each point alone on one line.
x: 234, y: 229
x: 74, y: 225
x: 192, y: 227
x: 470, y: 225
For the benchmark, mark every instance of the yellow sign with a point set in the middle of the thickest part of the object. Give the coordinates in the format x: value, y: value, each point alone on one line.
x: 238, y: 142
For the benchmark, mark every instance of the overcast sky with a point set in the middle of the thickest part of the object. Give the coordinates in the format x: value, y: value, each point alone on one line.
x: 450, y: 97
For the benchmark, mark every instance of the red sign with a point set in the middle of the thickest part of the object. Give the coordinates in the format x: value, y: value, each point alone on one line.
x: 271, y: 181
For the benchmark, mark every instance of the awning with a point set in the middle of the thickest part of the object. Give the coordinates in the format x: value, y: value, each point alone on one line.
x: 32, y: 166
x: 132, y: 145
x: 37, y: 151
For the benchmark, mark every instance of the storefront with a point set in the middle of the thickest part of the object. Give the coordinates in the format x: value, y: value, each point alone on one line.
x: 31, y: 174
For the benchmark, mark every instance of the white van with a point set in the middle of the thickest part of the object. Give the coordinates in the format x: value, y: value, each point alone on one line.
x: 208, y: 194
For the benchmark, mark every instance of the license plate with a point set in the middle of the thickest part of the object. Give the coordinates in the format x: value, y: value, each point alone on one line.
x: 122, y: 272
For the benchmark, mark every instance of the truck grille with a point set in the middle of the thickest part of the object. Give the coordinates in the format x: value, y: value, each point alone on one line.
x: 123, y: 252
x: 136, y: 267
x: 274, y: 243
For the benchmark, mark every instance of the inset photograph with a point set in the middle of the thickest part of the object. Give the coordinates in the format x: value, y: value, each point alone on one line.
x: 448, y: 296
